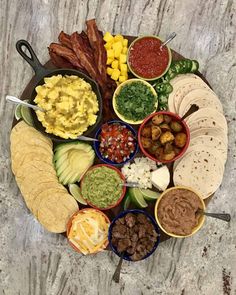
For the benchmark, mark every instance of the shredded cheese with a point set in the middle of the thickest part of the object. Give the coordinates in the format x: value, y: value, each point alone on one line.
x: 89, y: 231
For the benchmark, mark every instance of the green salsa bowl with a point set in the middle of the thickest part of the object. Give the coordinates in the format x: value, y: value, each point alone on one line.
x: 102, y: 187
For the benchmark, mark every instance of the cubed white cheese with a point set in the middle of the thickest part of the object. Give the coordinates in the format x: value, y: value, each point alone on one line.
x: 160, y: 178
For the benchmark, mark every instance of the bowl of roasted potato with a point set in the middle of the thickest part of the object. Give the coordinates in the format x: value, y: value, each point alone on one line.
x: 163, y: 137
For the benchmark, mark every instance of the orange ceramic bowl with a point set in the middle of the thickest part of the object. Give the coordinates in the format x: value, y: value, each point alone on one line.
x: 69, y: 224
x: 123, y: 189
x: 177, y: 119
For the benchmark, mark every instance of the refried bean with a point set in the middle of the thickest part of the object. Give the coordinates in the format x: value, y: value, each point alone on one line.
x: 177, y: 211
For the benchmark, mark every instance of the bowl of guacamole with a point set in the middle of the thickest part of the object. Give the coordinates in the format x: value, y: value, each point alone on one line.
x: 101, y: 186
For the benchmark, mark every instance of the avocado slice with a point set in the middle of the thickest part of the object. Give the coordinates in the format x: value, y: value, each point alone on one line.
x: 72, y: 160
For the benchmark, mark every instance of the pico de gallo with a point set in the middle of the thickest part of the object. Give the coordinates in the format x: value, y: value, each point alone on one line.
x: 117, y: 142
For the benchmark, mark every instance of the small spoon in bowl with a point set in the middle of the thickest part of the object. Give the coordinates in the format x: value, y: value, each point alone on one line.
x: 130, y: 184
x: 223, y: 216
x: 16, y: 100
x: 170, y: 37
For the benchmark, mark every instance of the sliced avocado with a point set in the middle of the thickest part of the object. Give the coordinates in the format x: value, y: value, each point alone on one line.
x: 63, y: 147
x: 65, y: 176
x: 72, y: 160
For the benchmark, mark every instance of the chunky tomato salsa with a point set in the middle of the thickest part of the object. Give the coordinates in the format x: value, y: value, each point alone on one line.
x: 117, y: 142
x: 146, y: 59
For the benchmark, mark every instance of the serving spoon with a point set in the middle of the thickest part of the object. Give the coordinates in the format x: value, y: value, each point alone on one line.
x: 130, y: 184
x: 223, y: 216
x: 170, y: 37
x: 191, y: 110
x: 18, y: 101
x: 116, y: 275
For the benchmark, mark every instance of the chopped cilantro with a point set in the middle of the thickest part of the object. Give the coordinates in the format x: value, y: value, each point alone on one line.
x: 135, y: 101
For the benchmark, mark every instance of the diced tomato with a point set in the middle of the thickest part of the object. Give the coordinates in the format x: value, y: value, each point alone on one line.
x: 117, y: 142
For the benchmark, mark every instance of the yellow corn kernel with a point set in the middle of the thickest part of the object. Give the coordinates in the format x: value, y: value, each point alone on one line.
x: 122, y: 59
x: 122, y: 79
x: 115, y: 64
x: 125, y: 42
x: 110, y: 53
x: 123, y: 69
x: 115, y: 75
x: 109, y: 71
x: 108, y: 37
x: 118, y: 37
x: 124, y: 50
x: 108, y: 45
x: 109, y: 61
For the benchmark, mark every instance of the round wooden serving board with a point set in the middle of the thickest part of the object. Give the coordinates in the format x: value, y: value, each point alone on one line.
x: 113, y: 212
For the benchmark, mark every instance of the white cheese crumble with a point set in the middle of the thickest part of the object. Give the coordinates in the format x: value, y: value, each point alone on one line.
x: 139, y: 171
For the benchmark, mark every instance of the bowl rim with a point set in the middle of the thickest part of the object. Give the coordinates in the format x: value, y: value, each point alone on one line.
x: 118, y: 89
x: 69, y: 224
x: 96, y: 144
x: 133, y: 72
x: 178, y: 118
x: 123, y: 188
x: 134, y: 211
x: 202, y: 218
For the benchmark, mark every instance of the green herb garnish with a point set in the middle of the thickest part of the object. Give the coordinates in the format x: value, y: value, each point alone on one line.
x: 135, y: 101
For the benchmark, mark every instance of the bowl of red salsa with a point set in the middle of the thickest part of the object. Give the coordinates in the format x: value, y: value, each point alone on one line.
x: 117, y: 143
x: 146, y: 60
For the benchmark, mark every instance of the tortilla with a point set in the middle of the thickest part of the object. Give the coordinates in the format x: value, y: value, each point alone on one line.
x: 208, y: 113
x: 32, y: 164
x: 214, y: 132
x: 45, y: 193
x: 54, y: 212
x: 206, y: 123
x: 200, y: 148
x: 23, y: 133
x: 37, y: 168
x: 32, y: 193
x: 203, y: 98
x: 20, y: 158
x: 202, y: 170
x: 212, y: 143
x: 182, y: 85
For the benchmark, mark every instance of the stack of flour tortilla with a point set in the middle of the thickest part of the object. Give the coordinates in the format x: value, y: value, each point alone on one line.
x: 202, y: 165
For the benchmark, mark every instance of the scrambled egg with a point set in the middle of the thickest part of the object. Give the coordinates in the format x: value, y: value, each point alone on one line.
x: 70, y: 104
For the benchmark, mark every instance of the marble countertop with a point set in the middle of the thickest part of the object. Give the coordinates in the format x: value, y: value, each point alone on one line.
x: 33, y: 261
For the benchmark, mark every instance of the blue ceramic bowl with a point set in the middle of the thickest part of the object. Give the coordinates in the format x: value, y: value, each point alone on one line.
x: 134, y: 211
x: 96, y: 144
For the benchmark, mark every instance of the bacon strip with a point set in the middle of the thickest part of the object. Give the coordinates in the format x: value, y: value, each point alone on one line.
x: 97, y: 44
x: 87, y: 61
x: 60, y: 62
x: 67, y: 53
x: 85, y: 38
x: 64, y: 39
x: 86, y: 53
